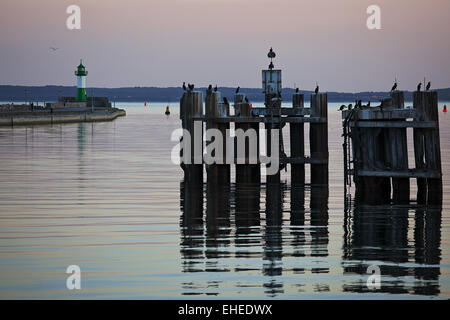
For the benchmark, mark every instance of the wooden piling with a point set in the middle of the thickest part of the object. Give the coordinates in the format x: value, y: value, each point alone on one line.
x: 297, y: 141
x: 318, y: 136
x: 217, y: 173
x: 398, y: 154
x: 246, y: 173
x: 273, y: 104
x: 191, y: 105
x: 427, y: 148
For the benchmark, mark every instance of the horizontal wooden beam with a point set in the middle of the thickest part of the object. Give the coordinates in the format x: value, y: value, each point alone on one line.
x: 302, y: 160
x: 376, y: 113
x: 281, y: 111
x: 393, y: 124
x: 266, y: 119
x: 411, y: 173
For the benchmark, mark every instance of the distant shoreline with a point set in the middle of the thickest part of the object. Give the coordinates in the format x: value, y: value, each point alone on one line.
x: 11, y: 93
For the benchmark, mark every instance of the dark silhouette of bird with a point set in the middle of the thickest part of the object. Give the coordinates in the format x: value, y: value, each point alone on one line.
x: 368, y: 104
x: 296, y: 90
x: 342, y: 107
x: 350, y: 106
x: 419, y: 86
x: 215, y: 88
x: 246, y: 100
x: 191, y: 87
x: 225, y: 100
x: 428, y: 85
x: 184, y: 86
x: 54, y: 49
x: 317, y: 89
x: 237, y: 89
x: 394, y: 87
x: 210, y: 88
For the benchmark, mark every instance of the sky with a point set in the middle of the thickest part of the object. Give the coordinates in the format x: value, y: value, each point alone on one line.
x: 127, y: 43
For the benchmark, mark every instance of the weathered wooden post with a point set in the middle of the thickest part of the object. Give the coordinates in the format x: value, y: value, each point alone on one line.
x: 427, y: 148
x: 297, y: 140
x: 397, y: 146
x: 191, y: 106
x: 318, y: 136
x: 248, y: 138
x: 217, y: 173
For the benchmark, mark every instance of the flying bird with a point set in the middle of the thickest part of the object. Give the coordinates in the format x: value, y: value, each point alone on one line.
x: 419, y: 86
x: 237, y: 89
x: 428, y: 85
x: 394, y: 87
x: 53, y: 48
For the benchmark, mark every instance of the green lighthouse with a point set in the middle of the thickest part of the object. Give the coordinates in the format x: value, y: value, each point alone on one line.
x: 81, y: 74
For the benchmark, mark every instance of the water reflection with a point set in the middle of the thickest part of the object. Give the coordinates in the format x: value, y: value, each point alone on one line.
x: 379, y: 236
x: 246, y: 230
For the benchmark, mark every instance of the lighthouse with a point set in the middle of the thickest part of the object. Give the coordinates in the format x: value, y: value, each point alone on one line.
x: 81, y: 74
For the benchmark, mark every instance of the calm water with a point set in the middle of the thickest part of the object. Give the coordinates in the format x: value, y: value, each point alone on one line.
x: 106, y: 197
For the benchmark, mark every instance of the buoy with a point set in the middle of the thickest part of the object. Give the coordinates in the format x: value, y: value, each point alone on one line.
x: 167, y: 111
x: 251, y: 106
x: 445, y: 108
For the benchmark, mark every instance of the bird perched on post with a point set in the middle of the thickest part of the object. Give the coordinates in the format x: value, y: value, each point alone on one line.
x: 428, y: 85
x: 296, y: 90
x: 237, y: 89
x: 317, y: 89
x: 191, y: 87
x: 368, y: 104
x: 184, y: 86
x: 246, y: 100
x: 342, y: 107
x: 215, y: 88
x: 419, y: 86
x: 209, y: 88
x: 225, y: 100
x: 394, y: 87
x: 350, y: 106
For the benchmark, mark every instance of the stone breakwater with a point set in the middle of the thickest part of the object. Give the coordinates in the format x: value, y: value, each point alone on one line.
x: 39, y: 117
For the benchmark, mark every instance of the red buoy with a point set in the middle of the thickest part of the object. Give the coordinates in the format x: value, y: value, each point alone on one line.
x: 445, y: 109
x: 145, y: 104
x: 251, y: 106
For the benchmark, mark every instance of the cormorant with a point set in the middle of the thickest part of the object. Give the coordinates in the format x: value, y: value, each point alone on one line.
x: 210, y: 88
x: 184, y: 86
x: 246, y: 100
x: 394, y: 86
x: 428, y: 85
x: 350, y: 106
x: 342, y: 107
x: 317, y: 89
x: 296, y: 90
x: 215, y: 88
x: 237, y: 89
x: 419, y: 86
x: 225, y: 100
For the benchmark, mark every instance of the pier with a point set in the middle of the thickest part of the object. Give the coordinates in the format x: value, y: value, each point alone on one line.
x: 376, y: 150
x: 243, y: 148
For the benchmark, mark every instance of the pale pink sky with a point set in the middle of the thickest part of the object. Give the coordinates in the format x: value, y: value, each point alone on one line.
x: 165, y: 42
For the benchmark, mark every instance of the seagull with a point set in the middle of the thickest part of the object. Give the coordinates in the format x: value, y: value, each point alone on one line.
x: 317, y: 89
x: 419, y: 86
x: 53, y: 48
x: 215, y: 88
x: 342, y: 107
x: 296, y: 90
x: 394, y: 86
x: 237, y: 90
x: 225, y: 100
x: 428, y: 85
x: 184, y: 86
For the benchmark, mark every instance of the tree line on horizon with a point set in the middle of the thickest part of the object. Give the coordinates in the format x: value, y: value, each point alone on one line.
x: 173, y: 94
